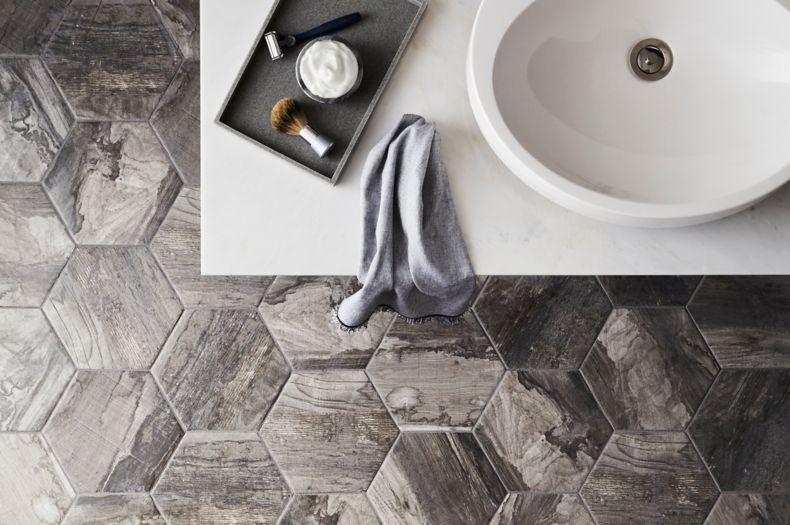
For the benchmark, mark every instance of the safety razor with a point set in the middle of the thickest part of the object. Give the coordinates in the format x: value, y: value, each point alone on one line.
x: 277, y: 44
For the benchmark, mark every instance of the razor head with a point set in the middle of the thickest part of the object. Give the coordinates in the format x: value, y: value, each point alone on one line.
x: 273, y: 43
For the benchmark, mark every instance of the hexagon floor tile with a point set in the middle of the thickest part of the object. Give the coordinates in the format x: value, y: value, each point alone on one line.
x: 121, y: 509
x: 217, y: 478
x: 26, y: 27
x: 35, y: 119
x: 649, y: 368
x: 435, y: 375
x: 329, y: 509
x: 741, y: 430
x: 639, y: 290
x: 751, y: 509
x: 33, y: 489
x: 542, y: 322
x: 112, y: 307
x: 113, y: 60
x: 745, y: 320
x: 35, y: 245
x: 542, y: 509
x: 221, y: 370
x: 113, y: 431
x: 543, y: 431
x: 182, y: 20
x: 113, y: 183
x: 34, y: 369
x: 299, y: 311
x: 436, y: 478
x: 177, y: 246
x: 177, y: 121
x: 329, y: 431
x: 650, y: 477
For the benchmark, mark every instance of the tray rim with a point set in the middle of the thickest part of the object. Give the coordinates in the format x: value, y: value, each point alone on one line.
x: 421, y: 5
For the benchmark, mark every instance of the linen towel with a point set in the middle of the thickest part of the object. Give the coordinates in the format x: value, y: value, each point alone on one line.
x: 414, y: 260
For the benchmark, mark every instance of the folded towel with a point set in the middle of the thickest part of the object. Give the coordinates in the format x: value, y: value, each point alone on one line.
x: 414, y: 259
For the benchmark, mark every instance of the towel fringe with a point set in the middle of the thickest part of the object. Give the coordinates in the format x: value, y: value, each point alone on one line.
x: 438, y: 318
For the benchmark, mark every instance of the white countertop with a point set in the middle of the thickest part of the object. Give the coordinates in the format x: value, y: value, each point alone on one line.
x: 262, y: 215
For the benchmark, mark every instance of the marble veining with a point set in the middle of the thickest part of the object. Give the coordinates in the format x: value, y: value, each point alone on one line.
x: 436, y: 375
x: 221, y: 370
x: 182, y: 20
x: 34, y: 120
x: 751, y: 509
x: 177, y: 246
x: 34, y: 247
x: 26, y: 26
x: 34, y: 369
x: 542, y: 509
x: 112, y: 307
x: 645, y: 290
x: 543, y: 431
x: 113, y: 183
x: 329, y: 431
x: 120, y: 509
x: 329, y: 509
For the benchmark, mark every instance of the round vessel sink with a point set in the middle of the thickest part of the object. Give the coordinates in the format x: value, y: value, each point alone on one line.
x: 640, y: 113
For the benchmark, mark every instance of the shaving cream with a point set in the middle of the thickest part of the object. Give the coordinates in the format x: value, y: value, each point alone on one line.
x: 328, y: 69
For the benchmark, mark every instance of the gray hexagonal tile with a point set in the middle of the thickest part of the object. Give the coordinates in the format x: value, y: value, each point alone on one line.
x: 26, y: 27
x: 33, y: 488
x: 750, y: 509
x: 436, y: 478
x: 649, y: 477
x: 436, y: 375
x: 745, y: 319
x: 112, y: 59
x: 543, y: 431
x: 299, y: 311
x: 34, y: 369
x: 221, y: 370
x: 217, y: 478
x: 121, y: 509
x: 113, y: 431
x: 35, y: 245
x: 542, y: 509
x: 35, y: 119
x: 649, y: 368
x: 741, y: 430
x: 177, y: 246
x: 113, y: 183
x: 543, y: 322
x: 644, y: 290
x: 329, y: 431
x: 112, y: 307
x: 182, y: 20
x: 329, y: 509
x: 177, y: 121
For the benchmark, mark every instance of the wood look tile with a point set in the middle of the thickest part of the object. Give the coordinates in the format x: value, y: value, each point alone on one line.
x: 661, y: 290
x: 113, y: 60
x: 217, y: 478
x: 543, y: 322
x: 542, y: 509
x: 751, y: 509
x: 329, y: 509
x: 543, y: 431
x: 121, y: 509
x: 745, y: 319
x: 177, y: 246
x: 182, y: 20
x: 113, y: 431
x: 436, y: 478
x: 329, y: 431
x: 436, y: 375
x: 34, y: 122
x: 112, y: 307
x: 26, y: 26
x: 34, y: 369
x: 741, y: 430
x: 221, y: 370
x: 649, y: 477
x: 649, y: 368
x: 34, y: 247
x: 299, y: 311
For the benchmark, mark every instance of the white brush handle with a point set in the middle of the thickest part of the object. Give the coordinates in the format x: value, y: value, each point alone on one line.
x: 319, y: 143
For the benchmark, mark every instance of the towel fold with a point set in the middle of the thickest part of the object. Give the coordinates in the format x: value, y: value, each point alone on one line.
x: 414, y: 259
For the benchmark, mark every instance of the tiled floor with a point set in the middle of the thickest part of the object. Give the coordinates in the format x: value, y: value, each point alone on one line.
x: 133, y: 390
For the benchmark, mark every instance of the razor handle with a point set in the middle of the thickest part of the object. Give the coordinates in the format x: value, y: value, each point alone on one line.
x: 324, y: 29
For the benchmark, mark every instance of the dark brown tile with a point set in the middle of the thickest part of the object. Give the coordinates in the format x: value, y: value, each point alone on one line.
x: 663, y: 290
x: 26, y: 26
x: 751, y: 509
x: 542, y: 509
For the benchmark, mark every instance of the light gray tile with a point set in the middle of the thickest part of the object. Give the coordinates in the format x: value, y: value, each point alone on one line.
x: 329, y: 431
x: 35, y: 120
x: 177, y: 246
x: 113, y: 431
x: 26, y: 26
x: 436, y: 375
x: 219, y: 479
x: 542, y: 509
x: 33, y: 489
x: 112, y: 307
x: 330, y: 509
x: 113, y: 183
x: 751, y: 509
x: 34, y: 369
x: 120, y: 509
x: 34, y: 246
x: 182, y: 20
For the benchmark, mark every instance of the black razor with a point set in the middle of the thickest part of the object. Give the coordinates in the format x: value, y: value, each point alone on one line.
x: 277, y: 43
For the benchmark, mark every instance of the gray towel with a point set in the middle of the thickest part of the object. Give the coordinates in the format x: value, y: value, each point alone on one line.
x: 414, y: 260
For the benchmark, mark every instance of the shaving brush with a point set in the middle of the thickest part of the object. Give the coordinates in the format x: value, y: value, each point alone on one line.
x: 289, y: 117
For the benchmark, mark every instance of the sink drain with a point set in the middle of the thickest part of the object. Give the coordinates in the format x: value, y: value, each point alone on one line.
x: 651, y: 59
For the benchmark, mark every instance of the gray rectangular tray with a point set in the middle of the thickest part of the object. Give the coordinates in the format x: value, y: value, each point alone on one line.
x: 380, y: 38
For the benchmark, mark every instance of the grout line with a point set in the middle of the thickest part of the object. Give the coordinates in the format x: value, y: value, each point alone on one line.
x: 696, y: 290
x: 702, y: 460
x: 395, y: 443
x: 605, y: 290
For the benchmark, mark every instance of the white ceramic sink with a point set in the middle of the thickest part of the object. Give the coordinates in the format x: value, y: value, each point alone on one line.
x: 554, y: 92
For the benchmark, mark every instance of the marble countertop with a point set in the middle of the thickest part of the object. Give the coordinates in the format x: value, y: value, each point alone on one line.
x: 261, y: 215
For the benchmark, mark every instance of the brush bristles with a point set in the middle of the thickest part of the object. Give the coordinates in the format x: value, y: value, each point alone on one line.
x: 288, y: 117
